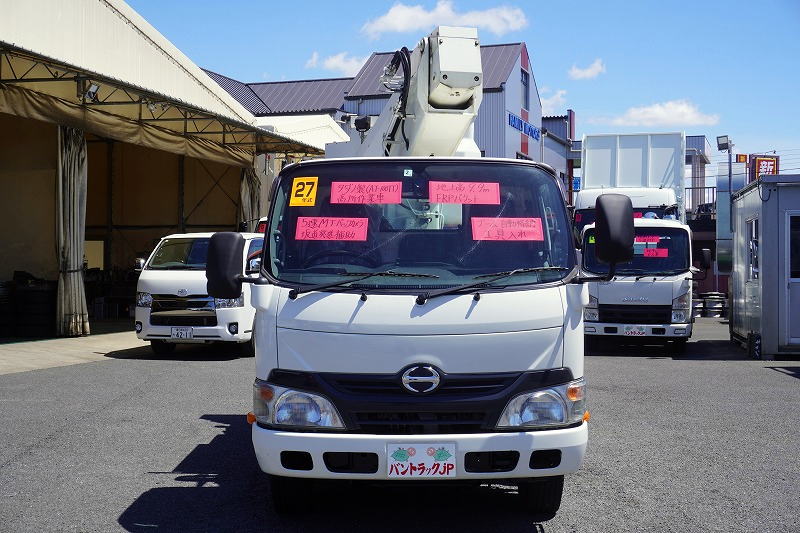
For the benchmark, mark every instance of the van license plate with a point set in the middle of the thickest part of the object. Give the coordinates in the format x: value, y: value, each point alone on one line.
x: 634, y: 331
x: 421, y: 460
x: 182, y: 333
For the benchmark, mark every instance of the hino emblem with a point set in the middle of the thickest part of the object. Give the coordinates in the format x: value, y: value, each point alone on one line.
x: 635, y: 299
x: 183, y: 292
x: 420, y: 379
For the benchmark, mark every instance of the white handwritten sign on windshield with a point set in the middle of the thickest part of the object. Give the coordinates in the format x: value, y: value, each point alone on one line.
x: 464, y: 192
x: 507, y: 229
x: 331, y: 229
x: 366, y: 192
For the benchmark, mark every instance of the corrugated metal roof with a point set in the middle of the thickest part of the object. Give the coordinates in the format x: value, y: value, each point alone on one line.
x: 241, y: 92
x: 557, y: 125
x: 302, y: 96
x: 497, y: 61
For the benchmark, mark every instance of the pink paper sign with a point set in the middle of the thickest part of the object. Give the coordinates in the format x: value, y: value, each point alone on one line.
x: 366, y: 192
x: 331, y: 229
x: 647, y: 238
x: 656, y: 252
x: 507, y: 229
x: 464, y: 192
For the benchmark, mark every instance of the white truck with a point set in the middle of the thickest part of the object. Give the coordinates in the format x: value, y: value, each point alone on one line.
x: 173, y: 306
x: 649, y: 298
x: 420, y: 315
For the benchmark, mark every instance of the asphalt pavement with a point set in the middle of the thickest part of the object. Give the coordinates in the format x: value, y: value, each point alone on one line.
x: 135, y: 442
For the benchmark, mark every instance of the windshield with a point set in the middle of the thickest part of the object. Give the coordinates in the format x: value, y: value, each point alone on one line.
x: 584, y: 217
x: 655, y: 251
x: 184, y: 253
x: 438, y: 224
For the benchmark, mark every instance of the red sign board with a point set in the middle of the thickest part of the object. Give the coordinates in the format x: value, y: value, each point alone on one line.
x: 763, y: 164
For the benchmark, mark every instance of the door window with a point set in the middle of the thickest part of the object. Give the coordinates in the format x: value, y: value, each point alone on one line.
x: 752, y: 245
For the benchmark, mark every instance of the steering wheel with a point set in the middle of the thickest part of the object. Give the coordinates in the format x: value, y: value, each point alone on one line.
x: 370, y: 261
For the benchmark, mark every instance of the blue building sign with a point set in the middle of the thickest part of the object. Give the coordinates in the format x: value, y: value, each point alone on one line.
x: 576, y: 184
x: 525, y: 127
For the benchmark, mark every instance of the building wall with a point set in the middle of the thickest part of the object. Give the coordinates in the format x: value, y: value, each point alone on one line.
x: 490, y: 129
x: 553, y: 153
x: 514, y: 139
x: 28, y: 168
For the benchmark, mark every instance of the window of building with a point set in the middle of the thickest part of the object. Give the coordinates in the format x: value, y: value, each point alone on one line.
x: 752, y: 238
x: 526, y: 93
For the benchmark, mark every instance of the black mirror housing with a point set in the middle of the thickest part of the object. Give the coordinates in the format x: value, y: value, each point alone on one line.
x: 705, y: 258
x: 613, y: 228
x: 224, y: 265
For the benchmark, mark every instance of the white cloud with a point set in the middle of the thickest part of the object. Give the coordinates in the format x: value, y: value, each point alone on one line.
x: 555, y: 104
x: 313, y: 60
x: 592, y: 71
x: 344, y: 64
x: 670, y: 113
x: 407, y: 18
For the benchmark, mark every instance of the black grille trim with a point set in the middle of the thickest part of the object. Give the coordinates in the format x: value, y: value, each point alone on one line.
x: 184, y: 318
x: 635, y: 314
x: 380, y: 405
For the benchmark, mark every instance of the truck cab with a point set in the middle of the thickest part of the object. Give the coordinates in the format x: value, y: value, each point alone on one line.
x: 649, y: 297
x: 172, y: 304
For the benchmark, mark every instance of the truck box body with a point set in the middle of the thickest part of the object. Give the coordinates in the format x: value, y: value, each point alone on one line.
x: 765, y: 281
x: 641, y: 164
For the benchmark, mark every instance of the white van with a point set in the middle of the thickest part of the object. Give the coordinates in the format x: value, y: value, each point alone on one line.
x: 173, y: 305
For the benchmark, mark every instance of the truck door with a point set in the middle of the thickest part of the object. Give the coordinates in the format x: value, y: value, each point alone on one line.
x: 792, y: 314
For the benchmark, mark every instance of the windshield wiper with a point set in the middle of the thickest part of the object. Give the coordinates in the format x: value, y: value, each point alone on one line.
x: 359, y: 277
x: 422, y: 298
x: 647, y: 274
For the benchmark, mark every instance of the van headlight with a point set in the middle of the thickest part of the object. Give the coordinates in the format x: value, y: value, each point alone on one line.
x: 224, y: 303
x: 144, y: 299
x: 680, y: 308
x: 278, y: 406
x: 562, y: 405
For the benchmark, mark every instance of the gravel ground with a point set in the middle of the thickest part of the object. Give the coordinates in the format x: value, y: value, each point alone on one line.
x: 707, y: 442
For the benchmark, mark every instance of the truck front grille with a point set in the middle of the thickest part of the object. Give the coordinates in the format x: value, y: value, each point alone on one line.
x: 635, y: 314
x: 420, y: 423
x: 452, y: 384
x: 193, y: 302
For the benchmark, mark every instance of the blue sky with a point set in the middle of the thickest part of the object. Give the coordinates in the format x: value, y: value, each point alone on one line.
x: 707, y: 67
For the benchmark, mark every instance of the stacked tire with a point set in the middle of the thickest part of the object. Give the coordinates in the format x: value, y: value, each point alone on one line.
x: 35, y: 309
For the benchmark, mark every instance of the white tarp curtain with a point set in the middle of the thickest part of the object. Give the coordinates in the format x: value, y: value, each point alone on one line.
x: 72, y: 318
x: 250, y: 198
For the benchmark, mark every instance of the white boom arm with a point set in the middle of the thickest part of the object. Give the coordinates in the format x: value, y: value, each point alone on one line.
x: 432, y: 111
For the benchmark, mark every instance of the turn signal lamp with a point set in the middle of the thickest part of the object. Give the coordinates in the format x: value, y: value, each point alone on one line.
x: 251, y: 417
x: 586, y: 416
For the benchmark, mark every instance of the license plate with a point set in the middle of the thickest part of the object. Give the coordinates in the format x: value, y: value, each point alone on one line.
x: 182, y: 333
x: 634, y: 331
x: 421, y: 460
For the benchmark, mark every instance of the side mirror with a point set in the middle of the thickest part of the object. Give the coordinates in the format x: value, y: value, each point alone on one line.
x: 705, y: 259
x: 254, y: 265
x: 613, y: 230
x: 138, y: 265
x: 224, y: 265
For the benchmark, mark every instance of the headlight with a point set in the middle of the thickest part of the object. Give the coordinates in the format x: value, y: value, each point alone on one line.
x: 279, y: 406
x: 563, y: 405
x: 223, y: 303
x: 680, y: 317
x: 592, y: 301
x: 591, y: 314
x: 144, y: 299
x: 680, y: 308
x: 682, y: 301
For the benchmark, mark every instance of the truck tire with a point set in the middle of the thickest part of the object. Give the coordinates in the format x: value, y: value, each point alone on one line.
x: 162, y: 347
x: 542, y: 496
x: 248, y: 349
x: 289, y: 494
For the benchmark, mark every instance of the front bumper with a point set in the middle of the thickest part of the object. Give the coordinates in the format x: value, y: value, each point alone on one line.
x: 201, y: 334
x: 650, y: 330
x: 269, y: 444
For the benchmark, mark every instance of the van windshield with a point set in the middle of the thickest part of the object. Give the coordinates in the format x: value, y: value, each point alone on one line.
x: 656, y: 251
x: 182, y: 253
x: 438, y: 224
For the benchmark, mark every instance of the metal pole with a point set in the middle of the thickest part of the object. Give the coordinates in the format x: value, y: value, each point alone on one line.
x: 730, y: 184
x: 181, y: 193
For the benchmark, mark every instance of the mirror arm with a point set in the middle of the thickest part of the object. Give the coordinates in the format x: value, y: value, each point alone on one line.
x: 612, y: 271
x: 260, y: 280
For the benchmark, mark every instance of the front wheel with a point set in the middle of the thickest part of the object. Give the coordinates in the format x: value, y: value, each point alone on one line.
x: 248, y: 349
x: 289, y: 494
x: 542, y: 496
x: 678, y: 346
x: 162, y: 347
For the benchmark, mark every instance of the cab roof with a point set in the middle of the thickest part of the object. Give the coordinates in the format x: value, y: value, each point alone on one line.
x: 205, y: 235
